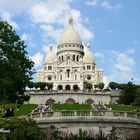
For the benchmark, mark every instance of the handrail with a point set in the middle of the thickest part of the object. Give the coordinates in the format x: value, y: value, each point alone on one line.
x: 103, y: 113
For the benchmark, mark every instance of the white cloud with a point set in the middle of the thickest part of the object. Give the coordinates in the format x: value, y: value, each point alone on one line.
x: 49, y: 11
x: 99, y: 55
x: 122, y: 66
x: 24, y: 36
x: 8, y: 17
x: 40, y: 13
x: 103, y: 4
x: 38, y: 59
x: 49, y: 31
x: 124, y: 63
x: 92, y: 2
x: 106, y: 5
x: 16, y: 6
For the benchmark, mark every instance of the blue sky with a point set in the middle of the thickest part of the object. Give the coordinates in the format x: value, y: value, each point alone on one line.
x: 112, y: 27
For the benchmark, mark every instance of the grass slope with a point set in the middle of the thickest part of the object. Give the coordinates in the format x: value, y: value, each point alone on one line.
x: 122, y: 107
x: 71, y: 107
x: 25, y: 109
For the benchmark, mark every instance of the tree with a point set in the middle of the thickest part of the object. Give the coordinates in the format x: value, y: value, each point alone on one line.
x: 49, y: 86
x: 101, y: 86
x: 42, y: 85
x: 21, y: 129
x: 15, y: 65
x: 128, y: 94
x: 88, y: 86
x: 137, y: 98
x: 113, y: 85
x: 30, y: 84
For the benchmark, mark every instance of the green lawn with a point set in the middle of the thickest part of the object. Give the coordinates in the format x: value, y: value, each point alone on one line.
x: 71, y: 107
x: 25, y: 109
x: 123, y: 107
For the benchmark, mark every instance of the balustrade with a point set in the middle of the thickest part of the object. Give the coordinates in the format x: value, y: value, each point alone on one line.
x: 91, y: 113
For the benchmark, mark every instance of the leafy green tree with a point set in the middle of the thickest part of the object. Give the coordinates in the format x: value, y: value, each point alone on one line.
x: 101, y: 86
x: 49, y: 86
x: 36, y: 85
x: 42, y: 85
x: 137, y: 97
x: 128, y: 94
x: 106, y: 89
x: 15, y: 65
x: 113, y: 85
x: 96, y: 86
x: 88, y: 86
x: 21, y: 129
x: 30, y: 84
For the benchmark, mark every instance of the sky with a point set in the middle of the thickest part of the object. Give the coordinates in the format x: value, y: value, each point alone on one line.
x: 111, y: 27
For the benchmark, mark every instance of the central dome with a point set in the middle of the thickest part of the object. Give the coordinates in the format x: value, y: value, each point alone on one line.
x: 70, y: 35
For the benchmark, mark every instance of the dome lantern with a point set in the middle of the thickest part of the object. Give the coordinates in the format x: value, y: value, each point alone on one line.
x: 50, y: 56
x: 88, y: 57
x: 70, y: 21
x: 70, y: 36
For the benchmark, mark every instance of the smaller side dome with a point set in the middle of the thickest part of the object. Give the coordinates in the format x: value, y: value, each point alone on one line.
x: 88, y: 57
x: 50, y: 57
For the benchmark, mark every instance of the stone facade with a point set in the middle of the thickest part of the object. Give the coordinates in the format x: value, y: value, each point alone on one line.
x: 70, y: 67
x: 69, y: 97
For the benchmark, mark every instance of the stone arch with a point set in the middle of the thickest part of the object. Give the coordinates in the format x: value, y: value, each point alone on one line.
x: 67, y: 87
x: 89, y: 101
x: 60, y: 87
x: 50, y: 101
x: 75, y: 87
x: 70, y: 101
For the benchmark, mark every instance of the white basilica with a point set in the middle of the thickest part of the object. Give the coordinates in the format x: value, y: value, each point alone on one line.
x: 70, y: 67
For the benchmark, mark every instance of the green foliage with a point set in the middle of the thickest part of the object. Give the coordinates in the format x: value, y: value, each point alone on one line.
x: 106, y: 89
x: 100, y: 86
x: 113, y: 85
x: 9, y: 113
x: 137, y: 98
x: 36, y: 85
x: 122, y: 107
x: 30, y: 84
x: 15, y: 65
x: 128, y: 94
x: 21, y: 129
x: 49, y: 86
x: 41, y: 85
x: 88, y: 86
x: 26, y: 97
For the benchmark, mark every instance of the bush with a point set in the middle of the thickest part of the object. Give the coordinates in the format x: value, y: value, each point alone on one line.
x: 26, y: 97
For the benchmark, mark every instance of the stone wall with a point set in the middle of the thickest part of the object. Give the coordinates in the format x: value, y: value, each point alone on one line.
x: 62, y: 97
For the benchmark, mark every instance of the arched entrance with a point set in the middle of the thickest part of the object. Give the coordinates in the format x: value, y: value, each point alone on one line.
x: 60, y: 87
x: 70, y: 101
x: 75, y: 87
x: 89, y: 101
x: 50, y: 102
x: 67, y: 87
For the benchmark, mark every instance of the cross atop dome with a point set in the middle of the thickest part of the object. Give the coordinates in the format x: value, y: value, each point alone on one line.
x: 70, y: 21
x: 51, y: 48
x: 88, y: 46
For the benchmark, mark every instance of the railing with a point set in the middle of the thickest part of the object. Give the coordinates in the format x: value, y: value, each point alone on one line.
x: 65, y: 91
x: 104, y: 113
